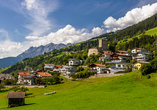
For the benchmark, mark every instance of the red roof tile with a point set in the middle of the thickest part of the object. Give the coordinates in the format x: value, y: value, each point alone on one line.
x: 100, y: 65
x: 123, y: 55
x: 107, y: 52
x: 44, y: 74
x: 24, y: 73
x: 58, y: 66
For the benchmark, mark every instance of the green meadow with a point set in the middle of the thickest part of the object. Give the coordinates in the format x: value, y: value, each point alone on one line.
x: 151, y: 31
x: 127, y: 92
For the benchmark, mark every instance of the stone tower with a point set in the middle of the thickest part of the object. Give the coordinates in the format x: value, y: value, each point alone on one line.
x: 103, y: 45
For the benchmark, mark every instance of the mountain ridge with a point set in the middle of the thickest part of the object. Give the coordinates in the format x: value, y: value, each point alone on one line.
x: 32, y: 51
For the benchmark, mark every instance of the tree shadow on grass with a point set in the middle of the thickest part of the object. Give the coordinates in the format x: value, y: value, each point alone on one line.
x: 27, y: 94
x: 29, y: 104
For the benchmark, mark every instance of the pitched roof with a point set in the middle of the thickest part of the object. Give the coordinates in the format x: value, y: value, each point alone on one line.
x: 107, y: 52
x: 100, y: 65
x: 120, y: 54
x: 49, y: 64
x: 58, y: 66
x: 16, y: 95
x: 24, y: 73
x: 44, y: 74
x: 139, y: 48
x: 121, y: 51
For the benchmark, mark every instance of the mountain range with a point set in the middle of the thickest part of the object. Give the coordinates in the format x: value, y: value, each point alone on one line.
x: 32, y: 51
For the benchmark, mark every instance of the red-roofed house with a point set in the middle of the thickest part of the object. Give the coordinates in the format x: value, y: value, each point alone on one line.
x: 57, y: 68
x: 119, y: 57
x: 43, y: 75
x: 29, y: 80
x: 21, y: 76
x: 105, y: 55
x: 99, y: 68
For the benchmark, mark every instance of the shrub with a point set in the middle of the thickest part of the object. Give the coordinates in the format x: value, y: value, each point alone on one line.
x: 56, y: 79
x: 146, y: 69
x: 53, y: 73
x: 24, y: 89
x: 15, y: 88
x: 80, y: 69
x: 82, y: 75
x: 1, y: 86
x: 148, y: 76
x: 9, y: 81
x: 154, y: 64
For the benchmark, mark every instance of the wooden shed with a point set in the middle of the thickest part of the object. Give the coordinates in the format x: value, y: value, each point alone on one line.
x: 16, y: 98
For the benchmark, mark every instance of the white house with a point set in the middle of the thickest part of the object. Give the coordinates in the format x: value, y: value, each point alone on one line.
x: 105, y: 55
x: 67, y: 70
x: 123, y: 52
x: 121, y: 65
x: 57, y: 68
x: 21, y: 76
x: 29, y: 80
x: 141, y: 56
x: 99, y: 68
x: 136, y: 50
x: 48, y: 66
x: 119, y: 57
x: 74, y: 62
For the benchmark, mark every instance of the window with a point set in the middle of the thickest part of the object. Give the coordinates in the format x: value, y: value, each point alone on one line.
x: 119, y: 66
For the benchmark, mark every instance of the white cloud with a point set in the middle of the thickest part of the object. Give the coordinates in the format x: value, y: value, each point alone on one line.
x: 3, y: 34
x: 131, y: 17
x: 37, y: 12
x: 66, y: 35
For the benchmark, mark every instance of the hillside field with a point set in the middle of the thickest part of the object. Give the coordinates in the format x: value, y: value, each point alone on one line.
x: 151, y: 31
x: 127, y: 92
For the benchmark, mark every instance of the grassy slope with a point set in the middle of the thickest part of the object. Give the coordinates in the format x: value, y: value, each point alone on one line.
x: 123, y: 92
x: 151, y: 31
x: 148, y: 32
x: 2, y: 69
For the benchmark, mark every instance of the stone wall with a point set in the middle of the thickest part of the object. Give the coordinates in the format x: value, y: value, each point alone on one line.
x: 28, y: 86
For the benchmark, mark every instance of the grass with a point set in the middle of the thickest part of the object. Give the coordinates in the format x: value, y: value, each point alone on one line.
x: 2, y: 69
x: 151, y: 31
x: 126, y: 92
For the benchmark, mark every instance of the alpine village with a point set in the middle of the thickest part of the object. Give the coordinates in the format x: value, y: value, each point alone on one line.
x: 116, y: 70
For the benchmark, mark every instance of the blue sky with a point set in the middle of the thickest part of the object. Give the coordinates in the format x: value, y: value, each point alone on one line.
x: 26, y: 23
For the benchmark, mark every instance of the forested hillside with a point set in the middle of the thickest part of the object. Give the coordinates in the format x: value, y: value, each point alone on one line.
x: 133, y: 36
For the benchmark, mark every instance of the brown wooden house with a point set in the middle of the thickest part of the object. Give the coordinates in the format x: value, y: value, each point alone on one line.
x: 16, y: 98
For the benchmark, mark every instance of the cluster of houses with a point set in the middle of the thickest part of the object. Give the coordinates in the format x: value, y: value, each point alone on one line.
x: 119, y: 58
x: 28, y: 78
x: 5, y: 76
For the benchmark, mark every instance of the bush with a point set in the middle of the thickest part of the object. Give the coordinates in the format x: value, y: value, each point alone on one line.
x: 15, y: 88
x: 82, y: 75
x: 53, y: 73
x: 80, y: 69
x: 1, y: 87
x: 9, y: 81
x: 56, y: 79
x: 24, y: 89
x: 148, y: 76
x: 146, y: 69
x: 154, y: 64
